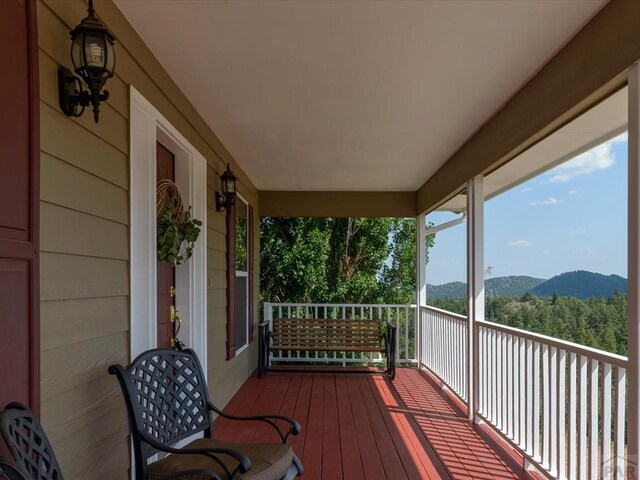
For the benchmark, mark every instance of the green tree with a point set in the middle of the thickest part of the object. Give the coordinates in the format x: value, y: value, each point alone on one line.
x: 338, y: 260
x: 398, y: 276
x: 595, y: 322
x: 358, y: 248
x: 293, y: 259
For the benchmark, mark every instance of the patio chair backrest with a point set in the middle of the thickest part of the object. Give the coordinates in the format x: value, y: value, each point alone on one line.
x: 166, y: 396
x: 28, y: 444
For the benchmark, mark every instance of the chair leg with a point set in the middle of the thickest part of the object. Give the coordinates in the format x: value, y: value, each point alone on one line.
x: 391, y: 355
x: 260, y: 358
x: 297, y: 465
x: 263, y: 353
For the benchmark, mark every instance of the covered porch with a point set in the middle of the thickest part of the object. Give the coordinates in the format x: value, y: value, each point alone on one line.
x: 379, y: 109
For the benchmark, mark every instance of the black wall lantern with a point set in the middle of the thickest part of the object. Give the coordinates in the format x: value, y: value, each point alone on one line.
x: 93, y: 60
x: 228, y: 184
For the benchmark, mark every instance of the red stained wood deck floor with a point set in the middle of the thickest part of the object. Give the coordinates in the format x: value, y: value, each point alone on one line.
x: 366, y: 427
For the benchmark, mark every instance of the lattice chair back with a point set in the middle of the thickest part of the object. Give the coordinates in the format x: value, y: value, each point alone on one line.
x: 166, y: 396
x: 28, y: 444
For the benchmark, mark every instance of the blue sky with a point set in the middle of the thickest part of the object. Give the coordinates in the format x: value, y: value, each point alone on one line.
x: 573, y: 217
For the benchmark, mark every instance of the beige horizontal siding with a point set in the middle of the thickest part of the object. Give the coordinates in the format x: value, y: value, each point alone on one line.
x: 66, y: 411
x: 65, y: 185
x: 216, y: 221
x: 71, y: 277
x: 217, y: 297
x: 101, y: 455
x: 66, y: 140
x: 215, y: 239
x: 98, y: 236
x: 217, y: 279
x: 216, y: 259
x: 60, y: 369
x: 64, y: 323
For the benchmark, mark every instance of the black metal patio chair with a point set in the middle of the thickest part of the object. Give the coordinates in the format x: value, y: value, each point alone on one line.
x: 167, y: 402
x: 28, y: 444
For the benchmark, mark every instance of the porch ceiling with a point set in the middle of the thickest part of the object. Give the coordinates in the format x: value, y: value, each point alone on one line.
x: 603, y: 122
x: 351, y: 96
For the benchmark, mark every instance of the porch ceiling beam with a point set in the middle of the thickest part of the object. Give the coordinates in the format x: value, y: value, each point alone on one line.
x: 337, y: 204
x: 592, y: 66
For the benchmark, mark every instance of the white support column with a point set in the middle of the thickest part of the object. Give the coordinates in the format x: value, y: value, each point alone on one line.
x: 421, y: 283
x: 633, y: 298
x: 475, y: 286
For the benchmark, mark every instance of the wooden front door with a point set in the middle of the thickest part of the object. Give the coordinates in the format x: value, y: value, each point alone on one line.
x: 165, y: 168
x: 19, y: 197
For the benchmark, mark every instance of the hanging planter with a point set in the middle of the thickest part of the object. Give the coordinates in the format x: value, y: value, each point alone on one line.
x: 177, y: 231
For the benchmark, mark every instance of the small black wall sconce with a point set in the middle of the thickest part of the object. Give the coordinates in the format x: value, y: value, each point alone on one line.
x: 93, y: 60
x: 228, y: 185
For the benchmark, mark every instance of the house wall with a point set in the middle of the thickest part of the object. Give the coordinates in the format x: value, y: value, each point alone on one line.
x: 84, y: 280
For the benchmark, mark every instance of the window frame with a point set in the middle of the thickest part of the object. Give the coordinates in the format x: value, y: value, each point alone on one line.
x: 232, y: 349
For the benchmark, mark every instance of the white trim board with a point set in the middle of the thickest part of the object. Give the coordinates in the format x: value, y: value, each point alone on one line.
x: 147, y: 126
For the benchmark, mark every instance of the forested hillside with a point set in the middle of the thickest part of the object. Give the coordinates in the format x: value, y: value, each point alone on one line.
x: 582, y: 284
x: 447, y: 290
x: 596, y: 322
x: 511, y: 286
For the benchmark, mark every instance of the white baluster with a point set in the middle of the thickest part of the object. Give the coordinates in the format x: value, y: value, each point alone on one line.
x: 582, y: 420
x: 594, y: 432
x: 606, y: 418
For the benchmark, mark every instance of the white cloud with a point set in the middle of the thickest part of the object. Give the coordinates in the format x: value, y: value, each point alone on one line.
x: 578, y: 232
x: 598, y: 158
x: 548, y: 201
x: 527, y: 189
x: 520, y: 243
x: 572, y: 192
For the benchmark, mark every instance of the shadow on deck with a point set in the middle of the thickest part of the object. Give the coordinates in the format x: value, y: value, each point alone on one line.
x: 365, y: 427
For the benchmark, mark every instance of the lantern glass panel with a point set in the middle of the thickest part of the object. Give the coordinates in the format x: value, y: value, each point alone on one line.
x: 76, y: 52
x: 111, y: 56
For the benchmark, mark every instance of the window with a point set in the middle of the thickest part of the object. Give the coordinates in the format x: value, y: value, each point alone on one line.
x: 242, y: 275
x: 239, y: 277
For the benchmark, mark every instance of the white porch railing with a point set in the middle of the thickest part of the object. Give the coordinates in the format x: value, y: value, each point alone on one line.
x: 444, y: 345
x: 562, y: 405
x: 403, y: 316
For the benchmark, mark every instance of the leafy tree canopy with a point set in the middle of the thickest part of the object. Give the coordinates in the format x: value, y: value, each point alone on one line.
x: 338, y: 260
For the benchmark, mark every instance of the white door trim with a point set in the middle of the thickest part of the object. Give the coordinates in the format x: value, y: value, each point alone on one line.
x: 147, y: 126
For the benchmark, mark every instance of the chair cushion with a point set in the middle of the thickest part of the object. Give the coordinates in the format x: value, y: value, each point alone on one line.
x: 269, y: 461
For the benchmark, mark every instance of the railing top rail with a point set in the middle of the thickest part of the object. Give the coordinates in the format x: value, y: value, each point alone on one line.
x: 342, y: 305
x: 457, y: 316
x: 611, y: 358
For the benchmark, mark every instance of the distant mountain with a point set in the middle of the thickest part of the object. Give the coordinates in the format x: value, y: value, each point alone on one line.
x: 511, y: 286
x: 447, y: 290
x: 581, y: 284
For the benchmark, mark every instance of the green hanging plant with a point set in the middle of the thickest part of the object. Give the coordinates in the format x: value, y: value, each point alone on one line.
x: 177, y: 231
